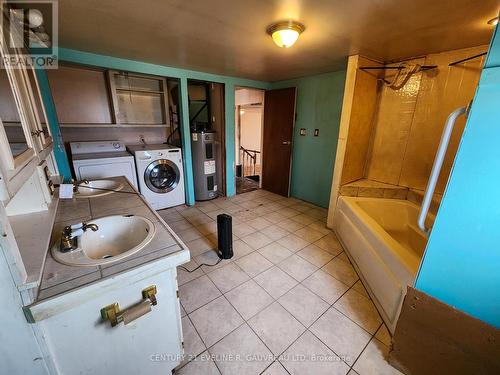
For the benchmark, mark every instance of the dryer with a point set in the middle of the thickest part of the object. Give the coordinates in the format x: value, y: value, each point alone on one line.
x: 160, y: 174
x: 103, y: 159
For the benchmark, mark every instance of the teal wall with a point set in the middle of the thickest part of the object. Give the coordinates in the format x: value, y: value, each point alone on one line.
x: 319, y: 104
x: 183, y: 75
x: 461, y: 266
x: 50, y: 109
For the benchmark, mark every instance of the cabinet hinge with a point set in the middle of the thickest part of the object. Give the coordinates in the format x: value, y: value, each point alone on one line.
x: 177, y: 292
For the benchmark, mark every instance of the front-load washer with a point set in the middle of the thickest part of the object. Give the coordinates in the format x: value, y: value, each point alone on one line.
x: 160, y: 174
x: 103, y: 159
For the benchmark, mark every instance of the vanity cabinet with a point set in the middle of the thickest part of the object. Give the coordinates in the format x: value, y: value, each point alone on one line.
x: 82, y: 342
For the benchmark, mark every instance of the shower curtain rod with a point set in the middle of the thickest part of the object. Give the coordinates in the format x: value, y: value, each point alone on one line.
x: 467, y: 59
x: 423, y: 67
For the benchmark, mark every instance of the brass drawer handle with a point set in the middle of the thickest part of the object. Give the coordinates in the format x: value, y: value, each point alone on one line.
x: 115, y: 316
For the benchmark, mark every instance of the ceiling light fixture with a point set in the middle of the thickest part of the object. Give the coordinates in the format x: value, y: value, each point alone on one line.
x: 493, y: 21
x: 285, y: 33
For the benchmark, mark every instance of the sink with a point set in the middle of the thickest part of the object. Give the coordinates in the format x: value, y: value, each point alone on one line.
x: 118, y: 237
x: 92, y: 189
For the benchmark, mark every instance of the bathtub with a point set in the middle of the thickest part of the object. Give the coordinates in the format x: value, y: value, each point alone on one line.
x: 383, y: 241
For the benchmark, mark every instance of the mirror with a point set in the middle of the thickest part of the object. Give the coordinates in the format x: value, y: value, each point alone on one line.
x: 9, y: 114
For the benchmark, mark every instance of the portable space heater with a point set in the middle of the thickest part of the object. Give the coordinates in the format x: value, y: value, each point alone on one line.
x: 225, y: 236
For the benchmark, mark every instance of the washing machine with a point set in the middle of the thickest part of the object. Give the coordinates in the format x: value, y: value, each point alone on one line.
x: 103, y: 159
x: 160, y: 174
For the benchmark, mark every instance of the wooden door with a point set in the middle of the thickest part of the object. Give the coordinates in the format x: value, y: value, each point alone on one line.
x: 279, y: 119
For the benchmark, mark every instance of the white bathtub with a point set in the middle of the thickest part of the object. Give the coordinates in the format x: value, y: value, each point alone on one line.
x: 385, y: 245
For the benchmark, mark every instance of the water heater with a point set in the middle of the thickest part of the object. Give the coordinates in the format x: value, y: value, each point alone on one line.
x: 204, y: 171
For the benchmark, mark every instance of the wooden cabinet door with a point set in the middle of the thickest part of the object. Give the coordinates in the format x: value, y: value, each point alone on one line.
x: 279, y: 120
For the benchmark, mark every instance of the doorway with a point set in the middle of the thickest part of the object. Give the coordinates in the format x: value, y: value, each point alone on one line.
x: 264, y: 122
x: 249, y: 116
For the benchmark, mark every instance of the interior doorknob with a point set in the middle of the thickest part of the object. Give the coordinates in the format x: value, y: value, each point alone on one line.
x: 286, y: 142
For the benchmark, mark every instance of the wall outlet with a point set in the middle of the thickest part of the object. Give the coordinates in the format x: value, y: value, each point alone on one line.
x: 303, y: 131
x: 316, y: 132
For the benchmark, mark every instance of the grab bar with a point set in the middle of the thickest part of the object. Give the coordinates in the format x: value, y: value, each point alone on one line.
x: 436, y: 168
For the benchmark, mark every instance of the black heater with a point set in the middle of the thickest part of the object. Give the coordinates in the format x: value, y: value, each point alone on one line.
x: 225, y: 235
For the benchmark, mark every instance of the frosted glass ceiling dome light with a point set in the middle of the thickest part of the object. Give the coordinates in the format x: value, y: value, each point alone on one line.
x: 493, y: 21
x: 35, y: 18
x: 285, y: 33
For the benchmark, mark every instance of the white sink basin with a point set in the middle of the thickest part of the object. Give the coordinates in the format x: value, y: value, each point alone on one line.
x: 118, y: 237
x: 92, y: 189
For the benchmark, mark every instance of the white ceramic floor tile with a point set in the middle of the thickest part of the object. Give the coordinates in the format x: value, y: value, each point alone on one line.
x: 189, y: 234
x: 341, y: 335
x: 303, y: 219
x: 383, y: 335
x: 203, y: 365
x: 183, y: 312
x: 275, y: 369
x: 180, y: 225
x: 315, y: 255
x: 198, y: 292
x: 275, y: 281
x: 343, y: 256
x: 243, y: 229
x: 240, y: 249
x: 276, y: 327
x: 293, y: 243
x: 303, y: 304
x: 275, y: 232
x: 290, y: 225
x: 330, y: 243
x: 341, y: 271
x: 192, y: 341
x: 358, y: 287
x: 308, y: 234
x: 235, y: 353
x: 359, y: 309
x: 275, y: 252
x: 259, y: 223
x: 199, y: 246
x: 275, y: 217
x: 373, y: 360
x: 325, y: 286
x: 253, y: 264
x: 297, y: 267
x: 215, y: 320
x: 248, y: 299
x: 256, y: 240
x: 228, y: 277
x: 320, y: 227
x: 210, y: 261
x: 207, y: 228
x: 303, y: 357
x: 184, y: 276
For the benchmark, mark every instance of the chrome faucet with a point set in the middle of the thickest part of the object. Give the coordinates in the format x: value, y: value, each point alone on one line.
x: 76, y: 183
x: 71, y: 233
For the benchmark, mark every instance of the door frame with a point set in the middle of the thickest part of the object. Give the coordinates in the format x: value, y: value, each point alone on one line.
x: 237, y: 130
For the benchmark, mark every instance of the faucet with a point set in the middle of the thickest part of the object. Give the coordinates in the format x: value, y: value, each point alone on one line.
x: 70, y: 234
x: 78, y: 182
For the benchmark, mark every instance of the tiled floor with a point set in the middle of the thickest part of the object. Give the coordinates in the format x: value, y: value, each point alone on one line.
x: 288, y: 302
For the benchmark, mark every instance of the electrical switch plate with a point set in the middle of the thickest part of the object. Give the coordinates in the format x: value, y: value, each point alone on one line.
x: 316, y: 132
x: 303, y: 131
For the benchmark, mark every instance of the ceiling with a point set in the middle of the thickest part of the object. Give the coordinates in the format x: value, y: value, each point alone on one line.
x: 228, y: 37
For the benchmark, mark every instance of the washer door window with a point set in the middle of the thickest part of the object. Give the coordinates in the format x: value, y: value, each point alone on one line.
x: 161, y: 176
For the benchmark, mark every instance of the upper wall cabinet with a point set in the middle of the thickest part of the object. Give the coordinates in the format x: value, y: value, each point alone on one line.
x: 80, y: 95
x: 96, y: 97
x: 139, y: 99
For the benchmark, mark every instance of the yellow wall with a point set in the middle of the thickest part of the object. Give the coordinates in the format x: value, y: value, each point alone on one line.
x: 408, y: 122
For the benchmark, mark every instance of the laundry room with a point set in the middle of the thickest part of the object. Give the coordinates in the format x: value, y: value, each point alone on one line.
x: 249, y: 187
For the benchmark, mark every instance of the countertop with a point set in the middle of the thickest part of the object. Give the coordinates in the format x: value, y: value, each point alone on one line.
x: 58, y: 278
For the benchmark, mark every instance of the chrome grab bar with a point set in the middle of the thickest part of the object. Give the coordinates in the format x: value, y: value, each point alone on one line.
x: 436, y: 168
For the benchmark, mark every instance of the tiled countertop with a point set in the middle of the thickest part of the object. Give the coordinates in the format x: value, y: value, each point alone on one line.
x: 58, y: 278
